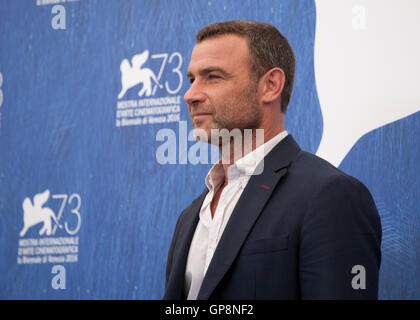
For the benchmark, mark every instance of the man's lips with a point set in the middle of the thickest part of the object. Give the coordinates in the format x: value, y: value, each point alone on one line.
x: 201, y: 114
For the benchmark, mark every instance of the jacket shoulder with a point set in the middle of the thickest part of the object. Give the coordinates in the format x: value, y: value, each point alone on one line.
x: 319, y: 172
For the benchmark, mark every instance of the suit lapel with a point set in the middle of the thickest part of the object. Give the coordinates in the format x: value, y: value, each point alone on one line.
x: 175, y: 287
x: 246, y: 212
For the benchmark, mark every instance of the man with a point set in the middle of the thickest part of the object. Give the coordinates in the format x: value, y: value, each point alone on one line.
x: 301, y: 229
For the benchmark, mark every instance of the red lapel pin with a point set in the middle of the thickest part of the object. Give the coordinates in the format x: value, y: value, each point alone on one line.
x: 265, y: 187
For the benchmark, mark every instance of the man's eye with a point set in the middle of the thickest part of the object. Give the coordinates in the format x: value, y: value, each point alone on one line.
x: 214, y: 76
x: 191, y: 80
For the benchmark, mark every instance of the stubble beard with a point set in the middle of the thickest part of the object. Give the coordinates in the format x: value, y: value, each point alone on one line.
x: 234, y: 115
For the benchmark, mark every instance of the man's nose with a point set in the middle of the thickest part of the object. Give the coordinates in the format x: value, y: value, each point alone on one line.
x: 194, y: 94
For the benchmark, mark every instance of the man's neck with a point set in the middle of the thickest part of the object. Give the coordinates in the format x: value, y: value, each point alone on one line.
x: 229, y: 156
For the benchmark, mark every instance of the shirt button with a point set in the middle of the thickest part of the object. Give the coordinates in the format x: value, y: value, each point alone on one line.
x: 244, y: 182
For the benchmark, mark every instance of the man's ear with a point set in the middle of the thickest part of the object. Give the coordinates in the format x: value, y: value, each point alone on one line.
x: 272, y: 84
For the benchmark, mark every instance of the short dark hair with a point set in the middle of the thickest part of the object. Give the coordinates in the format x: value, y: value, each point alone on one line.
x: 267, y: 46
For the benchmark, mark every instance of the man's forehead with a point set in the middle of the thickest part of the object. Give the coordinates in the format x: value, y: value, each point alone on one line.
x: 224, y: 49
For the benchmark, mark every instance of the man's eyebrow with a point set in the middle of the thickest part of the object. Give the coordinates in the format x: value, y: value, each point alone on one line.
x: 208, y: 70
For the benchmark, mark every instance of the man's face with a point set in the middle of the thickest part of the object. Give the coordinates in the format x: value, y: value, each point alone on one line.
x: 222, y: 93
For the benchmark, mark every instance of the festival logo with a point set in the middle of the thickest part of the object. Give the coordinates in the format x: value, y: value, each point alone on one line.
x: 134, y: 74
x: 39, y: 215
x: 35, y: 213
x: 157, y: 90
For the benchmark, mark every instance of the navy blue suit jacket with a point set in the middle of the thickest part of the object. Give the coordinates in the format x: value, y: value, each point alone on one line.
x: 297, y: 237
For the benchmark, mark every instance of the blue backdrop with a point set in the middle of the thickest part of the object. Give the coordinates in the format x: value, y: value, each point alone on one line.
x: 64, y: 129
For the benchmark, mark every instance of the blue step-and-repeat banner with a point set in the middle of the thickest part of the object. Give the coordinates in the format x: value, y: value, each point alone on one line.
x: 96, y: 154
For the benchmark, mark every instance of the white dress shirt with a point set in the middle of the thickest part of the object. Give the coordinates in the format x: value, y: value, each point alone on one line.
x: 209, y: 230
